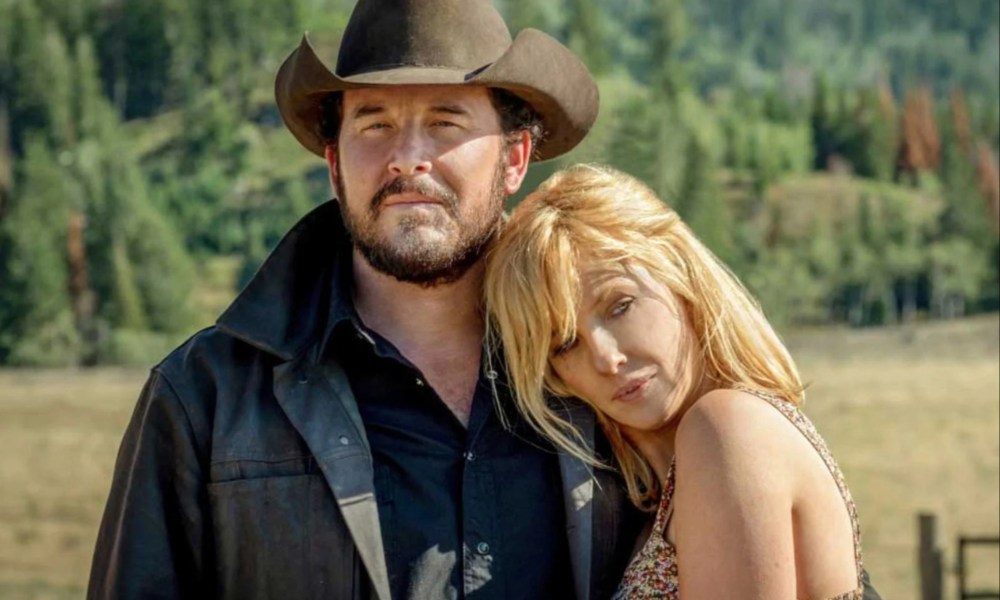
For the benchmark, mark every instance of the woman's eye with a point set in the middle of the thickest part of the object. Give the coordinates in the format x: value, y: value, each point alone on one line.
x: 564, y: 347
x: 621, y: 307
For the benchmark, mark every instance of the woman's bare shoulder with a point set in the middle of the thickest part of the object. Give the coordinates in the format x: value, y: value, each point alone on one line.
x: 729, y: 433
x: 733, y: 418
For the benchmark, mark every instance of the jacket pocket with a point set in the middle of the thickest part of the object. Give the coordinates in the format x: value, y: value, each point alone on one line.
x: 282, y: 537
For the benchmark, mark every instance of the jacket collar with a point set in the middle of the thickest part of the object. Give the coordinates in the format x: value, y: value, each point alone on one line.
x: 578, y: 500
x: 285, y: 309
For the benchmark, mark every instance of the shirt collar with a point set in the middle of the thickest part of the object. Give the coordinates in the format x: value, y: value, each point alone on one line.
x: 343, y: 318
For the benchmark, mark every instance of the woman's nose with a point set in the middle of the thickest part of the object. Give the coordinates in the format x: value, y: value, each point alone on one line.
x: 607, y: 356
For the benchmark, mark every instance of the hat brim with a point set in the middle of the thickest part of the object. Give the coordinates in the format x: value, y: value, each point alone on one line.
x: 536, y: 68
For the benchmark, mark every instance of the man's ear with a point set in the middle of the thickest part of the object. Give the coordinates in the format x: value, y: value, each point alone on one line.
x: 518, y: 157
x: 330, y: 153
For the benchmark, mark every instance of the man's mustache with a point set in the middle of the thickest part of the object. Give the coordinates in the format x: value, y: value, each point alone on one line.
x: 425, y: 187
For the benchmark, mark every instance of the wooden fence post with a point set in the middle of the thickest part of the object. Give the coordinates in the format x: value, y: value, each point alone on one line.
x: 961, y: 568
x: 929, y: 559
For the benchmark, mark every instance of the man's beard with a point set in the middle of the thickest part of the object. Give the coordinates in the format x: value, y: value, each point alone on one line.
x: 411, y: 258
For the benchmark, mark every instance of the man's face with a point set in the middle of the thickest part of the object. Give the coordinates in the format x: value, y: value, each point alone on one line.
x: 421, y: 173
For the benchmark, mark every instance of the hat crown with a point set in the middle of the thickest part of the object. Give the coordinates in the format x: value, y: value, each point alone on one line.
x: 454, y: 34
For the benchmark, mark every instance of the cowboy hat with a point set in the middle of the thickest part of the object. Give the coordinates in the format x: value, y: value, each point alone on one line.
x: 441, y: 42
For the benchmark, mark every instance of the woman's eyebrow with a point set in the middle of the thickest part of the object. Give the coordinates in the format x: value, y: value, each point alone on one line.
x: 605, y: 290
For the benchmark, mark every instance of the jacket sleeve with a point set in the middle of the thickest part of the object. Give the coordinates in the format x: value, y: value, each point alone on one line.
x: 870, y: 592
x: 151, y: 542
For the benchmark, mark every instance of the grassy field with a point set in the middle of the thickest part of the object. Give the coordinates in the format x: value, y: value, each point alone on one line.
x: 913, y: 415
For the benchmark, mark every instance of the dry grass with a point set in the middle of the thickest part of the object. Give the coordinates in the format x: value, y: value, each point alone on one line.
x: 913, y: 416
x: 59, y: 434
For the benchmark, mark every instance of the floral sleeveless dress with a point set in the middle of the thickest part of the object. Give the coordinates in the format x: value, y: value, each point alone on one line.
x: 653, y: 572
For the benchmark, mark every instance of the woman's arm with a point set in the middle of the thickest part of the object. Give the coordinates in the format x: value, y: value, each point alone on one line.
x: 732, y: 522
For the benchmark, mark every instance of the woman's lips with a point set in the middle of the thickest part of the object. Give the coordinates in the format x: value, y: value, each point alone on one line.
x: 632, y: 390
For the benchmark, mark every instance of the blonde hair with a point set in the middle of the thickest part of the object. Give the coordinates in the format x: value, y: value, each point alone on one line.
x: 596, y: 213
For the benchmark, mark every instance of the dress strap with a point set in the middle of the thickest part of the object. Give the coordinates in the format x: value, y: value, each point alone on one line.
x: 666, y: 507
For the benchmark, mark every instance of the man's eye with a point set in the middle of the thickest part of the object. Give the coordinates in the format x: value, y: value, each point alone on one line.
x: 374, y: 126
x: 444, y: 124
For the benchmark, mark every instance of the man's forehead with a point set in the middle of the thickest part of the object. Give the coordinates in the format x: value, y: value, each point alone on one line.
x: 416, y: 95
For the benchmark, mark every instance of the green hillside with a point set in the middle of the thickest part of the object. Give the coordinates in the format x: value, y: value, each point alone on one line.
x: 841, y: 157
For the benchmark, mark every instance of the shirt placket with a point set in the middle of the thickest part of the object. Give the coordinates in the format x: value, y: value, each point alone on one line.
x: 480, y: 543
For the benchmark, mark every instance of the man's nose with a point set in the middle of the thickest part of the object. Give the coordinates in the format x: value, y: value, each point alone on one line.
x: 606, y: 354
x: 411, y: 154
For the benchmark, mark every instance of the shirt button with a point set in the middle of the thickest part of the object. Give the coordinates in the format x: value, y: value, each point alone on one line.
x: 483, y: 548
x: 470, y: 456
x: 491, y: 374
x: 344, y: 440
x: 420, y: 382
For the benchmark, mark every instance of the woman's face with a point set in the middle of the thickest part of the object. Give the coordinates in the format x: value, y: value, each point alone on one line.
x: 634, y: 357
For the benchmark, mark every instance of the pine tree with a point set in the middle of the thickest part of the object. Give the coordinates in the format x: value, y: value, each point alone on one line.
x: 587, y: 34
x: 667, y: 30
x: 39, y: 72
x: 920, y: 140
x: 958, y: 270
x: 823, y: 260
x: 821, y: 121
x: 885, y: 134
x: 36, y: 314
x: 965, y: 214
x: 989, y: 182
x: 6, y: 159
x: 959, y: 109
x: 857, y: 261
x: 137, y: 55
x: 142, y: 273
x: 632, y: 147
x: 702, y: 206
x: 521, y: 14
x: 6, y: 150
x: 904, y: 254
x: 90, y: 111
x: 764, y: 161
x: 186, y: 70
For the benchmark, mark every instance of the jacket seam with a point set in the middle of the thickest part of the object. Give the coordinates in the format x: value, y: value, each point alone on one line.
x: 187, y: 416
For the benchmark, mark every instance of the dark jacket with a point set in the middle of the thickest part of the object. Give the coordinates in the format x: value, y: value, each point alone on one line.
x: 245, y: 471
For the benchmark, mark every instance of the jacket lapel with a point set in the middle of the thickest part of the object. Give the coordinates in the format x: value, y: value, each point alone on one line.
x: 578, y: 501
x: 319, y: 403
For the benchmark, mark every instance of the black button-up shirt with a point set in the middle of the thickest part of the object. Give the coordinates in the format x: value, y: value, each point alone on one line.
x: 473, y: 512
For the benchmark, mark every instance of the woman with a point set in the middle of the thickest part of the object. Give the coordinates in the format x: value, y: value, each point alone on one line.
x: 597, y: 290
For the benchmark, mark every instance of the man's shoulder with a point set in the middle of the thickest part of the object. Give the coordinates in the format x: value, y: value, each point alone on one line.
x: 212, y: 362
x: 208, y: 351
x: 212, y: 382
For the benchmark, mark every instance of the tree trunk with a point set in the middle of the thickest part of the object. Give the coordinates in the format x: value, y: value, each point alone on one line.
x: 81, y: 295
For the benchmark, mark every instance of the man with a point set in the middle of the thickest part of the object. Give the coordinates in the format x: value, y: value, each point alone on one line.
x: 335, y: 434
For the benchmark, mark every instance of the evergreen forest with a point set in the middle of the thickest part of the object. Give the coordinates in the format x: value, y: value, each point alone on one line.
x: 840, y: 156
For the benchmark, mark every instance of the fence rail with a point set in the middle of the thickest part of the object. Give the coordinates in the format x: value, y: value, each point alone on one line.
x: 966, y: 543
x: 931, y: 562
